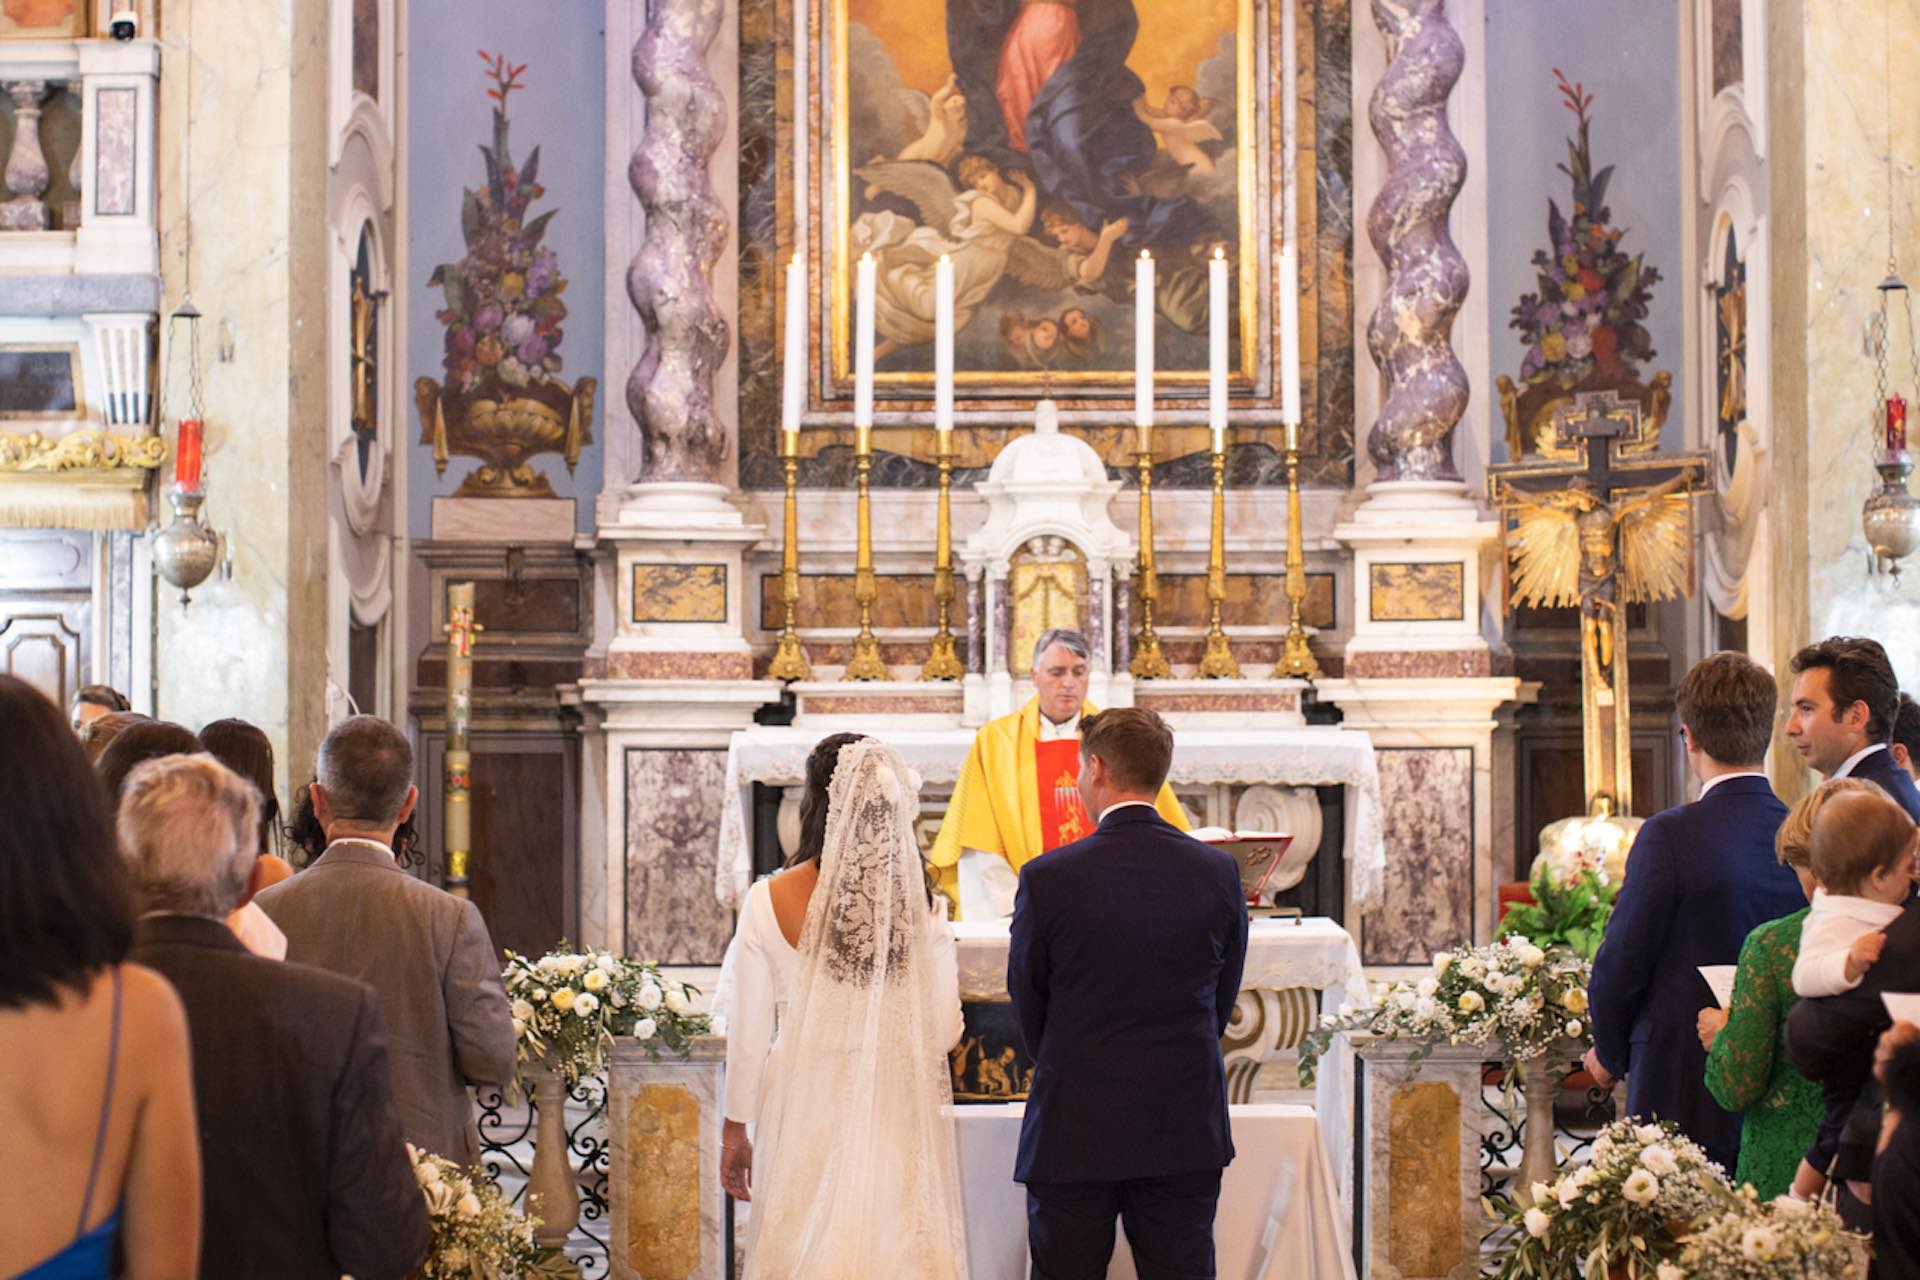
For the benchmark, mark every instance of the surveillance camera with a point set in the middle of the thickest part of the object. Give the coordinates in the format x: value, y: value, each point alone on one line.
x: 124, y: 24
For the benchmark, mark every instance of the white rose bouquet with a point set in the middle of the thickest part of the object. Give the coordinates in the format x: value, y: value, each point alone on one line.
x: 569, y: 1006
x: 1528, y: 998
x: 477, y: 1235
x: 1783, y: 1239
x: 1629, y: 1209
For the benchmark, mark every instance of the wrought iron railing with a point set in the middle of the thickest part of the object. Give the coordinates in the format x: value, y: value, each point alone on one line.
x: 507, y: 1132
x: 1580, y: 1112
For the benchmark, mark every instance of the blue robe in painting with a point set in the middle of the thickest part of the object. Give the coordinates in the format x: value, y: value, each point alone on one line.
x: 1084, y: 143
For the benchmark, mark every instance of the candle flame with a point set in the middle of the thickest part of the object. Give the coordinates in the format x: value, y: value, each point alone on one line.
x: 1145, y: 256
x: 866, y: 257
x: 945, y: 258
x: 1218, y: 252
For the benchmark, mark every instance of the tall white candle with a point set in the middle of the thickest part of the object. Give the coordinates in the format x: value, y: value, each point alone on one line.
x: 1217, y: 349
x: 793, y: 374
x: 863, y: 355
x: 943, y: 350
x: 1143, y: 313
x: 1289, y: 335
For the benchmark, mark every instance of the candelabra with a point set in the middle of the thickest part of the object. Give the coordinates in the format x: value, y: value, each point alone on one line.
x: 1217, y: 662
x: 865, y: 664
x: 790, y: 659
x: 1148, y: 662
x: 943, y: 663
x: 1296, y: 658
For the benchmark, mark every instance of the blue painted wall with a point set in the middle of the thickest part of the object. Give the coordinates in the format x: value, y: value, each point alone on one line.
x: 560, y: 109
x: 1626, y: 53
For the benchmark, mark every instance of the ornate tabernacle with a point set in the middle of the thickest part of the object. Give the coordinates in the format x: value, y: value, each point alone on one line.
x: 1617, y: 530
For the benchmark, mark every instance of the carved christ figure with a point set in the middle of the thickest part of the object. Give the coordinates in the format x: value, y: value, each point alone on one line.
x: 1573, y: 546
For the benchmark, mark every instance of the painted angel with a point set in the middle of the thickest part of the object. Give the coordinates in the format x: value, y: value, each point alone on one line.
x: 982, y: 227
x: 1181, y: 121
x: 1573, y: 546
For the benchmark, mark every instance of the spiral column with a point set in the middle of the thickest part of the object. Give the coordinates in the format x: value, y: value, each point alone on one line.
x: 670, y: 390
x: 1410, y: 334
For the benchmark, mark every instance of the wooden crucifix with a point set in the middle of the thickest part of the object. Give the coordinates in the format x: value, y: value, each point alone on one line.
x: 1610, y: 526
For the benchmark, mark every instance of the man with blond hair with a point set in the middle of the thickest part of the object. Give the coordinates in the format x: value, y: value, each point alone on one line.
x: 305, y: 1171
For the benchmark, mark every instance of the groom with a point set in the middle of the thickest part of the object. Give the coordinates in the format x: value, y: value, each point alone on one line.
x: 1124, y: 967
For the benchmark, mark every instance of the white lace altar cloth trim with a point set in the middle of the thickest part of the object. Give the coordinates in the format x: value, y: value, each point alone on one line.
x: 1314, y: 952
x: 1310, y: 757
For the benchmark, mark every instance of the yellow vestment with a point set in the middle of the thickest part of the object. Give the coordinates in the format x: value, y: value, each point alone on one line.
x: 996, y: 803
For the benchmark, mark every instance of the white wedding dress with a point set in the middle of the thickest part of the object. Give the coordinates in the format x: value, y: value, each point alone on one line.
x: 837, y: 1051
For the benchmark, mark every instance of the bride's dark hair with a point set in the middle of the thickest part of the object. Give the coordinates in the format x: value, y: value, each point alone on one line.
x: 813, y: 805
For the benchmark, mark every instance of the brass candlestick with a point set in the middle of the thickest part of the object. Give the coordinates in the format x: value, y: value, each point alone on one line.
x: 943, y: 663
x: 1218, y: 661
x: 790, y: 659
x: 1296, y: 659
x: 1148, y: 662
x: 865, y: 664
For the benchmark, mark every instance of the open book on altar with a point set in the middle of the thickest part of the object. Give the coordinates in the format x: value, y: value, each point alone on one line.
x: 1260, y: 854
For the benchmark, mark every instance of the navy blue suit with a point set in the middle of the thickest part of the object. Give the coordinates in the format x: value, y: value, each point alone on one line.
x: 1880, y: 767
x: 1701, y: 876
x: 1124, y: 965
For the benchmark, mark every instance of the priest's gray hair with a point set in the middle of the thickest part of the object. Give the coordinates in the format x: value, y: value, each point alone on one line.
x: 1075, y: 642
x: 188, y: 832
x: 365, y: 767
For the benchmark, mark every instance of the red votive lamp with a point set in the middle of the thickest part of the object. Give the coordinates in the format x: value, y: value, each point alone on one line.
x: 186, y: 455
x: 1896, y: 423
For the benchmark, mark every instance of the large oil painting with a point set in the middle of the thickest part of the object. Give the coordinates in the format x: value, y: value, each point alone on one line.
x: 1042, y: 146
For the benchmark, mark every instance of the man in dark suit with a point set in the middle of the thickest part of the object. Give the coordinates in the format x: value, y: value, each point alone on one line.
x: 1700, y: 877
x: 1845, y: 699
x: 1124, y: 966
x: 306, y: 1175
x: 427, y: 953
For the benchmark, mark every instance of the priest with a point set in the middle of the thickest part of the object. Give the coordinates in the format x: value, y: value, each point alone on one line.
x: 1018, y: 795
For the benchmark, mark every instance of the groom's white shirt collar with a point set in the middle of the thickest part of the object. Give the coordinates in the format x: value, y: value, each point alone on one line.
x: 1145, y: 804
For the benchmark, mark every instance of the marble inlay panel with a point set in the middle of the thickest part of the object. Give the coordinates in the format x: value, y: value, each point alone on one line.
x: 679, y: 593
x: 647, y: 665
x: 1423, y: 1173
x: 1410, y: 664
x: 826, y: 600
x: 673, y: 824
x: 1426, y: 794
x: 1420, y: 592
x: 1267, y: 701
x: 117, y: 110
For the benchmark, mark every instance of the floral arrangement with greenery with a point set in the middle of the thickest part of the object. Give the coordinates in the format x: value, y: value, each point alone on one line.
x: 1783, y: 1239
x: 569, y: 1006
x: 1623, y: 1215
x: 477, y: 1234
x: 1528, y: 997
x: 1573, y: 891
x: 1592, y: 299
x: 503, y: 307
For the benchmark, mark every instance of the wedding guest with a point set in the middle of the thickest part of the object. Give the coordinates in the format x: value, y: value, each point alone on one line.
x: 96, y: 1093
x: 1748, y: 1069
x: 1906, y: 735
x: 249, y: 752
x: 1844, y: 702
x: 1702, y: 875
x: 426, y: 952
x: 305, y: 1172
x: 93, y: 701
x: 1896, y: 1170
x: 148, y: 740
x: 98, y: 733
x: 1831, y: 1038
x: 1123, y: 966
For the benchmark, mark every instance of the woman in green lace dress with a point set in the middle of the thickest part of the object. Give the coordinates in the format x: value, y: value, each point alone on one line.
x: 1747, y: 1065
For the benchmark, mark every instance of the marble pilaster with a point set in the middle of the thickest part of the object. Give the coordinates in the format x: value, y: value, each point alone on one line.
x: 667, y: 1210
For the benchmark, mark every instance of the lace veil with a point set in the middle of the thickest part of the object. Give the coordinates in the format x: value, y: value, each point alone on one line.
x: 855, y: 1172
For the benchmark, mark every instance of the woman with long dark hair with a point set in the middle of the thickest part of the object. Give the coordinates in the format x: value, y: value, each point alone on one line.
x: 246, y: 749
x: 96, y: 1090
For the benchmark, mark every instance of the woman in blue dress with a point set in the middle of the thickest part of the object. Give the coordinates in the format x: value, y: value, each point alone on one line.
x: 96, y: 1090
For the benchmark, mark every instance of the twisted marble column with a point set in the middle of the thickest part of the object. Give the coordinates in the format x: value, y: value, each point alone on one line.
x: 1411, y: 330
x: 670, y: 390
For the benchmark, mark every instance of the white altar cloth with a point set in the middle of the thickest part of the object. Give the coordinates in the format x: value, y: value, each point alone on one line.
x: 1279, y: 1212
x: 1318, y: 756
x: 1314, y: 952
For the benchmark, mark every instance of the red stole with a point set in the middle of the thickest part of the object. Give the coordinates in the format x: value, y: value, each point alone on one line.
x: 1063, y: 817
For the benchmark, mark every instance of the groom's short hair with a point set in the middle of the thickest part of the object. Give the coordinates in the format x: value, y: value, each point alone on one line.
x: 1135, y: 744
x: 1727, y: 702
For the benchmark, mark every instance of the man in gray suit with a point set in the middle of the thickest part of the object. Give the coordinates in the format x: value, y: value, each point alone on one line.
x: 426, y: 952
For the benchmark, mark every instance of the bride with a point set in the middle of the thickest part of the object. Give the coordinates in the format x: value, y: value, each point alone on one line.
x: 845, y: 1003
